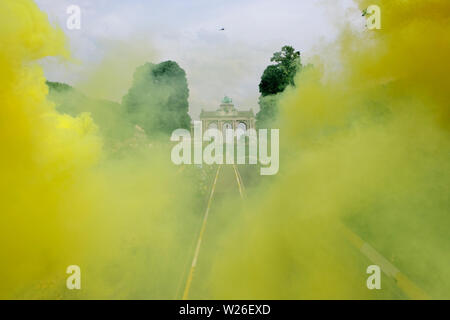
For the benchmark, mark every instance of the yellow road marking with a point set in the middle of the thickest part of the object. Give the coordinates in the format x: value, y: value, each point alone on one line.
x: 407, y: 286
x: 191, y: 247
x: 199, y: 241
x: 413, y: 291
x: 239, y: 181
x: 242, y: 181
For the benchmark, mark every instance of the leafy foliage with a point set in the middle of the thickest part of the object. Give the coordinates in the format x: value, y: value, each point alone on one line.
x: 58, y: 86
x: 112, y: 122
x: 274, y: 80
x: 158, y: 98
x: 268, y: 110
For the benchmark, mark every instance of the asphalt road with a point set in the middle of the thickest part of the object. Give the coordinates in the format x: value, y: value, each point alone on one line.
x: 226, y: 197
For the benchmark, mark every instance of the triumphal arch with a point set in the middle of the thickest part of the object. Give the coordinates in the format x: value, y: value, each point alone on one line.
x: 228, y: 117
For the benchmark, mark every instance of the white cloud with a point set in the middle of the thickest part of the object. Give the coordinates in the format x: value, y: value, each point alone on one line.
x: 216, y: 62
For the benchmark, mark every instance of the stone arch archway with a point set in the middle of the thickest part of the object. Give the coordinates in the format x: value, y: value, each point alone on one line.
x: 241, y: 129
x: 227, y: 125
x: 243, y: 125
x: 212, y: 125
x: 228, y: 115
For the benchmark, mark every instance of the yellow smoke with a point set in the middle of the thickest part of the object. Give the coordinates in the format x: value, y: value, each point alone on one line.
x: 42, y: 151
x: 367, y: 147
x: 125, y: 222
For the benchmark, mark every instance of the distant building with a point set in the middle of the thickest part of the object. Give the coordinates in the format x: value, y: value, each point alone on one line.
x: 227, y: 117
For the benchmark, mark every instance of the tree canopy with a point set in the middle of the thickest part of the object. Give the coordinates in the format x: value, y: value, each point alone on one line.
x: 112, y: 122
x: 158, y: 98
x: 275, y: 78
x: 278, y: 76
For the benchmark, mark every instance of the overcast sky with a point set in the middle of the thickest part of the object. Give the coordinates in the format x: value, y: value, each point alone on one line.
x: 116, y: 36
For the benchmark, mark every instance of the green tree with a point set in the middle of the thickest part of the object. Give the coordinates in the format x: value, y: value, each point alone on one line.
x: 268, y: 110
x: 158, y: 98
x: 109, y: 116
x: 274, y: 80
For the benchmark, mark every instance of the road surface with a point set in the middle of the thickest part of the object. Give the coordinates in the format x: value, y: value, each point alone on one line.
x: 226, y: 197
